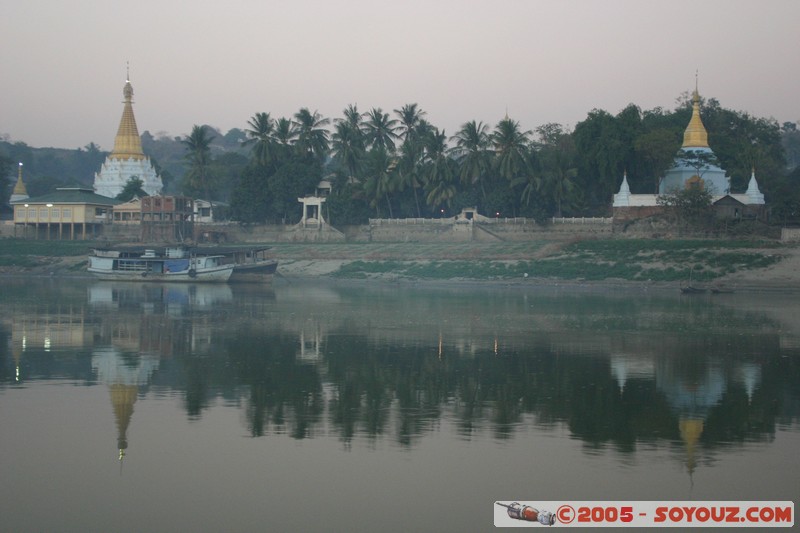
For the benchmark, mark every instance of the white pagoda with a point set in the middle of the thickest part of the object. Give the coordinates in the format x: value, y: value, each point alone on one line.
x: 127, y: 160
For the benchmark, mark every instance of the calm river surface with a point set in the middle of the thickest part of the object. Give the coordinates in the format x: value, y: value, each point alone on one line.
x: 306, y: 407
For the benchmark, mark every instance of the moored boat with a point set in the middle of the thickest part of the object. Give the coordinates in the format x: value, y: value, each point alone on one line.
x: 145, y: 264
x: 249, y: 264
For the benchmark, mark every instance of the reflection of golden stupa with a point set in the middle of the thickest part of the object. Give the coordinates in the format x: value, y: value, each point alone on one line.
x: 123, y: 375
x: 122, y: 398
x: 691, y: 429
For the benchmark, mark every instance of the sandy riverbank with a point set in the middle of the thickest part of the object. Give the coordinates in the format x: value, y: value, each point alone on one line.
x: 305, y: 263
x: 783, y: 275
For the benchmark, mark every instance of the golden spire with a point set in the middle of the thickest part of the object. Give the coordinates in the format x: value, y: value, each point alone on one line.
x: 127, y: 144
x: 19, y: 188
x: 695, y: 135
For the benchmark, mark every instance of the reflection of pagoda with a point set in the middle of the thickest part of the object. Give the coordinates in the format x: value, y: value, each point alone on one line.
x: 123, y: 375
x: 691, y: 398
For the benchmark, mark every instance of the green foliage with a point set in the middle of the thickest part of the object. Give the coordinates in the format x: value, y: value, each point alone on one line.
x: 629, y: 259
x: 198, y: 179
x: 27, y: 253
x: 496, y: 168
x: 6, y: 179
x: 133, y: 189
x: 691, y: 205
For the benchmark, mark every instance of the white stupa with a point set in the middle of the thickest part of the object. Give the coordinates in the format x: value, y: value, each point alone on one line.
x: 127, y: 160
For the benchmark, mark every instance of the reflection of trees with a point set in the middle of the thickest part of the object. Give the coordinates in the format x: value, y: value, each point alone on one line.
x: 376, y: 389
x: 422, y: 362
x: 283, y: 392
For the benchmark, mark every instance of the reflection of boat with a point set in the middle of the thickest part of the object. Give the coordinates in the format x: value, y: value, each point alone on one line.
x: 691, y: 289
x: 249, y: 264
x: 721, y: 290
x: 133, y: 296
x: 175, y: 264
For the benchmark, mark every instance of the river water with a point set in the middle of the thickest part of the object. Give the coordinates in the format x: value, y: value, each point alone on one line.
x: 309, y: 407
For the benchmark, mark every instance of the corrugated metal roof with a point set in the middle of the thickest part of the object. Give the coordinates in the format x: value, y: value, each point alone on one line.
x: 74, y: 195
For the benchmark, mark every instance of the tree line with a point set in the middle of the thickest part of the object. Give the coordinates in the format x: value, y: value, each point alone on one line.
x: 397, y: 164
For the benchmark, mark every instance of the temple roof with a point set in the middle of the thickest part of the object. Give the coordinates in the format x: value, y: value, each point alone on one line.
x: 695, y: 135
x: 70, y: 195
x: 127, y: 144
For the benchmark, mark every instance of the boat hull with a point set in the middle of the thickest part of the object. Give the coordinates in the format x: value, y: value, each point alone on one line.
x: 259, y: 272
x: 112, y: 266
x: 217, y: 275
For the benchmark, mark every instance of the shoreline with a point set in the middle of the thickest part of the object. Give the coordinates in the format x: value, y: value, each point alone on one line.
x: 530, y: 283
x: 303, y: 265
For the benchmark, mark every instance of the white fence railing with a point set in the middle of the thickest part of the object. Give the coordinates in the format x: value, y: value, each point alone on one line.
x: 583, y: 220
x: 409, y: 221
x: 485, y: 220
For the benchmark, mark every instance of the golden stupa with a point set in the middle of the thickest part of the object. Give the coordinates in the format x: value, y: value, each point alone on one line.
x: 695, y: 135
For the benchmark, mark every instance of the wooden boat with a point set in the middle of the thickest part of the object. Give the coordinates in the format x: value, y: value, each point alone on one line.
x: 691, y: 289
x: 249, y: 264
x: 173, y: 264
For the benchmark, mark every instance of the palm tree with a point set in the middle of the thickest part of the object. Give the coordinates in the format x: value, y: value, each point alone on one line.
x: 198, y: 155
x: 409, y: 169
x: 473, y: 153
x: 352, y: 116
x: 312, y: 137
x: 439, y: 185
x: 410, y: 117
x: 560, y: 170
x: 285, y: 135
x: 511, y: 148
x: 260, y: 136
x: 380, y: 181
x: 380, y: 130
x: 348, y: 146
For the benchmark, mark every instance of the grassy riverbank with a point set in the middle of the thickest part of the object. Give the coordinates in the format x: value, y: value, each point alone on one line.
x: 589, y: 260
x: 636, y: 260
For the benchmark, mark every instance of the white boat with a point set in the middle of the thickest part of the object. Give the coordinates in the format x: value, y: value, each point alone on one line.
x: 174, y: 264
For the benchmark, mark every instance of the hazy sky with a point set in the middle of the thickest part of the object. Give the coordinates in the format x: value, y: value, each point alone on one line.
x: 62, y: 63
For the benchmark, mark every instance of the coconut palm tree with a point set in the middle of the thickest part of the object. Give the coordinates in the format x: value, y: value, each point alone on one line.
x: 511, y: 148
x: 380, y: 131
x: 260, y: 137
x: 198, y: 155
x: 312, y: 137
x: 473, y: 153
x: 409, y: 116
x: 380, y: 178
x: 439, y: 186
x: 559, y: 170
x: 409, y: 169
x: 352, y: 116
x: 347, y: 144
x: 285, y: 135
